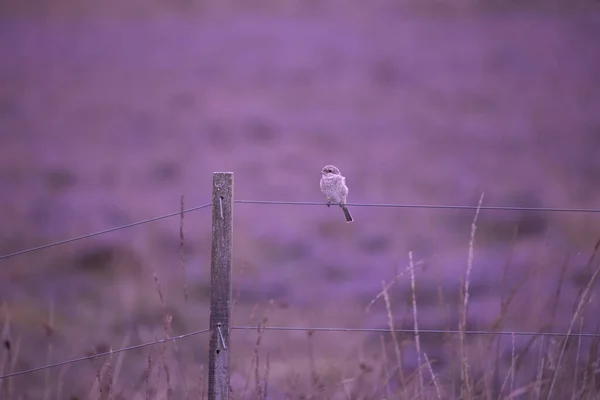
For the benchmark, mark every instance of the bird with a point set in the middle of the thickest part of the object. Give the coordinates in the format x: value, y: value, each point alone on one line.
x: 333, y: 186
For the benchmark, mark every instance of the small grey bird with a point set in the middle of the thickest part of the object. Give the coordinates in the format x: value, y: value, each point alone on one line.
x: 333, y: 186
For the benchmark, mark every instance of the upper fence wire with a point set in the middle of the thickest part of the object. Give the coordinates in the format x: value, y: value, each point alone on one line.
x: 306, y: 203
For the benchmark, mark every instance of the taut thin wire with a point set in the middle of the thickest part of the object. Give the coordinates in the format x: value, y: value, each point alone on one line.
x: 107, y: 353
x: 89, y: 235
x: 425, y: 206
x: 303, y: 329
x: 310, y: 203
x: 411, y: 331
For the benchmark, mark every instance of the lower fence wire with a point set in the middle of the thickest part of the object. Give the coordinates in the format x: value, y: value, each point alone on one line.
x: 107, y: 353
x: 307, y: 329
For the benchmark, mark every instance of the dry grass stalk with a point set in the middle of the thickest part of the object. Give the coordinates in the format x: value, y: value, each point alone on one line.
x: 109, y: 377
x: 202, y: 383
x: 260, y: 384
x: 182, y: 248
x: 167, y: 319
x: 49, y: 331
x: 510, y: 375
x: 389, y: 285
x: 576, y: 369
x: 397, y: 350
x: 148, y: 374
x: 434, y: 379
x: 168, y: 330
x: 60, y: 381
x: 166, y: 369
x: 540, y: 371
x: 314, y: 376
x: 120, y: 359
x: 466, y: 386
x: 415, y: 321
x: 103, y: 383
x: 386, y: 371
x: 266, y: 377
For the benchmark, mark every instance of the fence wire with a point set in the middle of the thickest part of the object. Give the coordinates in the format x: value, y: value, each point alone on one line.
x: 307, y: 329
x: 309, y: 203
x: 420, y: 331
x: 427, y: 206
x: 117, y: 228
x: 107, y: 353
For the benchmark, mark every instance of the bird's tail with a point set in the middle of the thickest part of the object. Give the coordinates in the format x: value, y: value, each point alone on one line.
x: 347, y: 214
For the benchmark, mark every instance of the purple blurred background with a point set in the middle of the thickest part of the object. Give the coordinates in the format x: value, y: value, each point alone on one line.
x: 109, y: 114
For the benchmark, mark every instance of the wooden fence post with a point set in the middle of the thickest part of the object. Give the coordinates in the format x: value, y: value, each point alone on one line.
x: 220, y: 286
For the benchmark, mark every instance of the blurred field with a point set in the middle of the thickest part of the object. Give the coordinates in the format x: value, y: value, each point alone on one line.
x: 111, y: 111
